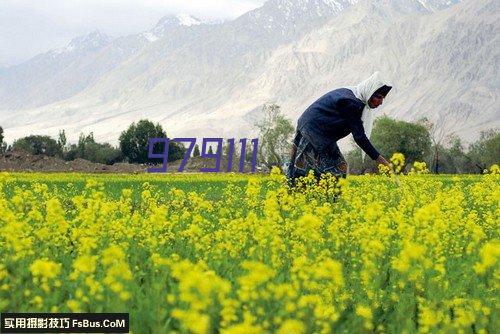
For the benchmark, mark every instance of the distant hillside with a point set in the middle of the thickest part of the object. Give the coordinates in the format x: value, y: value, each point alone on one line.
x: 211, y: 79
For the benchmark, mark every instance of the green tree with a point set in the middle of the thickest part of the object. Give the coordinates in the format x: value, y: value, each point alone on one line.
x: 196, y: 151
x: 486, y: 151
x: 2, y: 144
x: 176, y: 151
x: 83, y: 141
x: 210, y: 151
x: 390, y: 136
x: 87, y: 148
x: 411, y: 139
x: 449, y: 159
x: 225, y: 148
x: 134, y: 142
x: 103, y: 153
x: 61, y: 141
x: 274, y: 137
x: 36, y: 144
x: 442, y: 149
x: 248, y: 152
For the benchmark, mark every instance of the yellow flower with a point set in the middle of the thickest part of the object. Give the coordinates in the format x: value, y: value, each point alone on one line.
x: 45, y: 268
x: 292, y: 326
x: 85, y: 264
x: 398, y: 162
x: 74, y: 305
x: 127, y: 193
x: 489, y: 253
x: 249, y: 254
x: 244, y: 328
x: 364, y: 312
x: 112, y: 254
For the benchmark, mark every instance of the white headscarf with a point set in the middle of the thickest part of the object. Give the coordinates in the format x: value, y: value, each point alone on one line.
x: 363, y: 91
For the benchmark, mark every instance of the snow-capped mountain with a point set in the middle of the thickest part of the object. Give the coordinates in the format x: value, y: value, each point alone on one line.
x: 91, y: 42
x: 169, y: 23
x: 176, y: 20
x: 279, y: 21
x: 204, y: 80
x: 53, y: 75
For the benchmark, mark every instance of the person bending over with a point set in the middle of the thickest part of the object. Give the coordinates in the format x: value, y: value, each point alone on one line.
x: 330, y: 118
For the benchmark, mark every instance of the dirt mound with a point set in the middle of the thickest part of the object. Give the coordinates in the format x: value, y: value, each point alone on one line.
x: 23, y: 161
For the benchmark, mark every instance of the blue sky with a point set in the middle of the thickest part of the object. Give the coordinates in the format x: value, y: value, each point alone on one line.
x: 29, y: 27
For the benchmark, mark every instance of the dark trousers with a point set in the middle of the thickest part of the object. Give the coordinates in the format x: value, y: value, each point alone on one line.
x: 306, y: 157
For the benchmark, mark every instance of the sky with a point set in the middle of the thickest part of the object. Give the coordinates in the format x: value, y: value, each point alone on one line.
x: 30, y: 27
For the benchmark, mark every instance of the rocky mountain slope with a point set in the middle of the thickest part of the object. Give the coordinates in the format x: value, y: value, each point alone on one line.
x: 203, y: 80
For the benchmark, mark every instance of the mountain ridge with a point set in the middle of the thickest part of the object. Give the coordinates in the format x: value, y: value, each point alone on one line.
x: 223, y: 73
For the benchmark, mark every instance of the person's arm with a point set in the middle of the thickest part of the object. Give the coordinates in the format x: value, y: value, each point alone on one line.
x: 358, y: 133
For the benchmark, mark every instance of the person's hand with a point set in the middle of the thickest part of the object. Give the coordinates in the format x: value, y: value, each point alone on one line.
x: 382, y: 161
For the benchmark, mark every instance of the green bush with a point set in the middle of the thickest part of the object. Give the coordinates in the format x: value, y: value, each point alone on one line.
x: 390, y: 136
x: 87, y: 148
x: 134, y: 143
x: 36, y: 144
x: 275, y: 133
x: 3, y: 146
x: 450, y: 159
x: 486, y: 151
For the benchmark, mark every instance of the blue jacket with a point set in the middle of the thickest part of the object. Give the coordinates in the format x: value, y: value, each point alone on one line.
x: 334, y: 116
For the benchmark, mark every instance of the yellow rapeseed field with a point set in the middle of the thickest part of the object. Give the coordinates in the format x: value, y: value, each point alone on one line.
x: 233, y: 253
